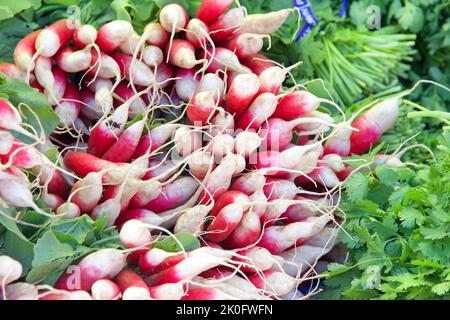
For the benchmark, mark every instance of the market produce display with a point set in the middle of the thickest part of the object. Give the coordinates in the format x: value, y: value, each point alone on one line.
x: 163, y: 152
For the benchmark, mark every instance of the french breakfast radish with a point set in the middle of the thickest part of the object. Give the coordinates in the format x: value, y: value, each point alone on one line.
x: 264, y: 23
x: 112, y: 34
x: 105, y: 289
x: 135, y: 234
x: 173, y: 18
x: 53, y: 37
x: 372, y: 124
x: 241, y: 93
x: 296, y: 104
x: 257, y: 63
x: 102, y: 264
x: 73, y: 61
x: 258, y: 112
x: 24, y: 52
x: 245, y: 45
x: 186, y: 84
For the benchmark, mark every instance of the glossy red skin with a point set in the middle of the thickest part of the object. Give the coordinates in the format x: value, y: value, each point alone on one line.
x: 165, y: 264
x: 84, y: 163
x: 210, y: 10
x: 292, y: 106
x: 26, y: 45
x: 368, y: 134
x: 225, y: 199
x: 128, y: 278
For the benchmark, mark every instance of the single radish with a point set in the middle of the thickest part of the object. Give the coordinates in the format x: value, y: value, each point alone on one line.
x: 210, y: 10
x: 257, y: 63
x: 224, y: 223
x: 135, y: 234
x: 182, y: 54
x: 102, y: 264
x: 136, y: 72
x: 246, y: 233
x: 246, y: 143
x: 241, y: 93
x: 187, y: 84
x: 53, y: 37
x: 277, y: 239
x: 271, y: 79
x: 296, y: 104
x: 84, y: 36
x: 258, y: 112
x: 52, y: 179
x: 187, y: 141
x: 123, y: 149
x: 112, y: 34
x: 52, y: 79
x: 73, y: 61
x: 246, y: 44
x: 84, y: 163
x: 87, y: 192
x: 199, y: 260
x: 156, y: 35
x: 106, y: 132
x: 372, y: 124
x: 25, y: 50
x: 173, y: 18
x: 105, y: 289
x: 69, y: 108
x: 264, y: 23
x: 10, y: 270
x: 154, y: 139
x: 173, y: 195
x: 127, y: 278
x: 230, y: 197
x: 226, y: 25
x: 110, y: 209
x: 68, y: 210
x: 249, y: 183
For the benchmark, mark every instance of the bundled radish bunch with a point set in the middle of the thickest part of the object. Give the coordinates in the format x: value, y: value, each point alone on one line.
x: 184, y: 128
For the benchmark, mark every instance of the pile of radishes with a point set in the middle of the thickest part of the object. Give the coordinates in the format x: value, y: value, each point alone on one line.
x: 185, y: 128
